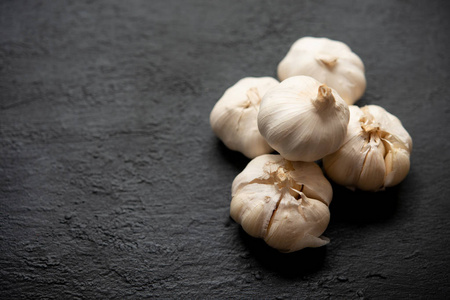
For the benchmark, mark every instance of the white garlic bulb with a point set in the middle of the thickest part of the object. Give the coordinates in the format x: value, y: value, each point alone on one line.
x: 285, y: 203
x: 375, y: 153
x: 234, y: 117
x: 303, y: 119
x: 328, y: 61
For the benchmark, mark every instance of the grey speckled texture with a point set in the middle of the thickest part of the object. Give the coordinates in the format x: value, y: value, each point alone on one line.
x: 113, y: 186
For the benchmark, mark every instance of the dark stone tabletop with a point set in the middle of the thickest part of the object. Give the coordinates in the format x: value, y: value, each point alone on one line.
x: 113, y: 186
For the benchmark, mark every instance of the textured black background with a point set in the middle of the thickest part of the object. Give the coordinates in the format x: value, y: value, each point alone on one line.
x: 113, y: 185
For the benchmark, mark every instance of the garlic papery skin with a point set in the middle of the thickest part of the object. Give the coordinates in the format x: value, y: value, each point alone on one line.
x: 234, y: 117
x: 283, y: 202
x: 303, y: 119
x: 328, y: 61
x: 375, y: 153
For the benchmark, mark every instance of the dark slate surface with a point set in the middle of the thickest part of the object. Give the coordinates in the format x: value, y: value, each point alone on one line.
x: 113, y: 186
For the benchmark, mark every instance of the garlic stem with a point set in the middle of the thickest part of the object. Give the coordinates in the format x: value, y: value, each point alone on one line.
x: 253, y: 96
x: 281, y: 178
x: 324, y: 98
x: 368, y: 123
x: 370, y: 128
x: 328, y: 60
x: 281, y: 175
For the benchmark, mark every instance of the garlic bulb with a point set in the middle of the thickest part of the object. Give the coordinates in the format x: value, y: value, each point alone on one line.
x: 233, y: 118
x: 375, y: 153
x: 303, y: 119
x: 328, y: 61
x: 285, y: 203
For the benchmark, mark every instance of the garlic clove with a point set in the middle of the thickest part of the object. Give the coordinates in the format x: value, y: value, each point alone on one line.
x: 252, y: 211
x: 312, y: 180
x: 373, y: 170
x: 287, y: 231
x: 344, y: 166
x: 303, y: 119
x: 234, y: 117
x: 375, y: 153
x: 283, y: 202
x: 397, y: 164
x: 328, y: 61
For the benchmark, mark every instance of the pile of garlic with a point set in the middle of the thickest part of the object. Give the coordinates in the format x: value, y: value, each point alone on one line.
x: 308, y: 116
